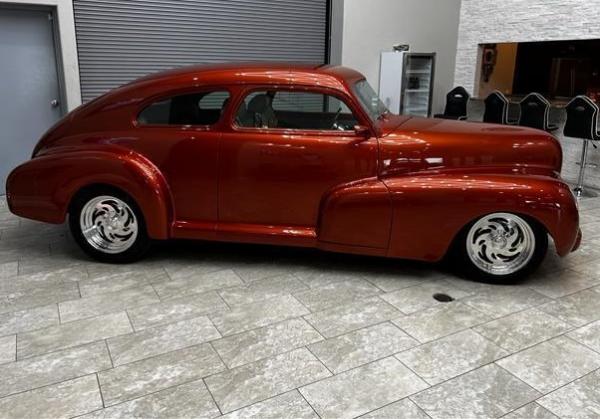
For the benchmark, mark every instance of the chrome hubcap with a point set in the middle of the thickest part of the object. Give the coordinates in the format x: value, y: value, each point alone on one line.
x: 108, y: 224
x: 501, y: 243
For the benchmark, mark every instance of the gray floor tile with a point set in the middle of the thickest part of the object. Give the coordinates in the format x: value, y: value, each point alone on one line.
x: 29, y: 319
x: 265, y: 342
x: 361, y: 390
x: 42, y: 279
x: 315, y: 277
x: 576, y: 309
x: 561, y: 283
x: 440, y: 321
x: 362, y: 346
x: 106, y: 303
x: 197, y: 284
x: 402, y: 278
x: 10, y: 255
x: 177, y: 309
x: 190, y: 400
x: 588, y: 335
x: 8, y: 348
x: 262, y: 290
x: 265, y: 321
x: 8, y: 223
x: 501, y: 301
x: 72, y: 334
x: 52, y: 368
x: 522, y: 330
x: 63, y: 400
x: 589, y: 268
x: 187, y: 270
x: 9, y: 269
x: 343, y: 292
x: 586, y: 260
x: 160, y: 339
x: 450, y: 356
x: 33, y: 297
x: 579, y: 399
x: 262, y: 313
x: 405, y: 409
x: 153, y: 271
x: 552, y: 364
x: 487, y: 392
x: 290, y: 405
x: 149, y: 375
x: 250, y: 271
x: 32, y: 265
x: 343, y: 319
x: 251, y: 383
x: 470, y: 285
x: 419, y: 297
x: 531, y: 411
x: 117, y: 282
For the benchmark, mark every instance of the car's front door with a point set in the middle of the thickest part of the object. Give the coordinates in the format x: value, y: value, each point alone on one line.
x: 286, y: 149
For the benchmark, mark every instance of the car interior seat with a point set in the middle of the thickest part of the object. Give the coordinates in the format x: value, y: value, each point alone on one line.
x: 261, y: 110
x: 185, y: 110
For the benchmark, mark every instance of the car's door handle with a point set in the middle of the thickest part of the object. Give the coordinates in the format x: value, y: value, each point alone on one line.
x: 54, y: 103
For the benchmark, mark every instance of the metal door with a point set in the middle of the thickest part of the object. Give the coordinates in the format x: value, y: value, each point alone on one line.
x: 29, y: 87
x: 121, y: 40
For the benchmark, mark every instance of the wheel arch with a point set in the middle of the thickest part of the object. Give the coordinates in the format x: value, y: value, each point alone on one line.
x: 430, y: 212
x: 43, y: 188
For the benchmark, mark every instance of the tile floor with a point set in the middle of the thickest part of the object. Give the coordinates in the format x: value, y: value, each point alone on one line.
x: 205, y: 330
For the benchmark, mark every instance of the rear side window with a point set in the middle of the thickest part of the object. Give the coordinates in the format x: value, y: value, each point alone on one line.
x: 193, y: 109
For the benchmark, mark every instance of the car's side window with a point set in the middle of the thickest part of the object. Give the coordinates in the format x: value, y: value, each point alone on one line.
x: 295, y: 110
x: 203, y: 108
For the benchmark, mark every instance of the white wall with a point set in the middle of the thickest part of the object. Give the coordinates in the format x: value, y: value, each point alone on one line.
x: 68, y: 46
x: 370, y: 27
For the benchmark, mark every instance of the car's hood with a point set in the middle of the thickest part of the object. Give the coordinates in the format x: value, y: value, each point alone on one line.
x: 416, y: 144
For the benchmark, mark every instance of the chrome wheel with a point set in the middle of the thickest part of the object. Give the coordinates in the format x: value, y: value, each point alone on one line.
x: 108, y: 224
x: 501, y: 243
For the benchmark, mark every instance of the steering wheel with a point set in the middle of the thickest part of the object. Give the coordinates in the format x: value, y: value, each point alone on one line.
x: 334, y: 124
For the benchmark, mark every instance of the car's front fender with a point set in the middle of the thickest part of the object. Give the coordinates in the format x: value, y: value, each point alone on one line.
x: 430, y: 210
x: 42, y: 188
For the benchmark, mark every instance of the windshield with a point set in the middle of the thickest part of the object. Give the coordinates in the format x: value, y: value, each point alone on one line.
x: 369, y: 100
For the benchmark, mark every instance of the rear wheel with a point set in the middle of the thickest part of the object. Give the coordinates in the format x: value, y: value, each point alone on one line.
x: 108, y: 225
x: 501, y: 247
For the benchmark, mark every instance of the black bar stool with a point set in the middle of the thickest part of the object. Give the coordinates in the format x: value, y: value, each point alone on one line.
x: 534, y: 112
x: 496, y: 108
x: 582, y: 123
x: 456, y: 104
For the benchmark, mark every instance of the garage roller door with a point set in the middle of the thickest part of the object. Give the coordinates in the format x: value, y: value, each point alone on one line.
x: 120, y: 40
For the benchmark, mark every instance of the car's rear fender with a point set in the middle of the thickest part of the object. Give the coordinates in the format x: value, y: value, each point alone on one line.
x: 42, y: 188
x: 430, y: 211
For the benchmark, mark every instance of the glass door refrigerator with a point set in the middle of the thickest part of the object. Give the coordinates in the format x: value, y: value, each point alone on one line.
x: 406, y: 82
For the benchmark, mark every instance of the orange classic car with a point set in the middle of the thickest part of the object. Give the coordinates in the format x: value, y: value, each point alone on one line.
x: 296, y: 155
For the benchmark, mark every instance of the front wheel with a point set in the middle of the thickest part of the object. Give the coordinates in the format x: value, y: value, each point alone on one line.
x: 108, y: 225
x: 501, y: 248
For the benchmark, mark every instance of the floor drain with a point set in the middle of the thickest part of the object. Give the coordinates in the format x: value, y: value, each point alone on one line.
x: 443, y: 298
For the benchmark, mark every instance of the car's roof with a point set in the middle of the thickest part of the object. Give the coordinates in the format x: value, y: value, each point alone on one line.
x: 258, y: 72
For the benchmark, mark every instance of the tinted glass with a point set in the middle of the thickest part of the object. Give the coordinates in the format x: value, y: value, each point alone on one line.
x: 369, y: 100
x: 194, y: 109
x: 295, y: 110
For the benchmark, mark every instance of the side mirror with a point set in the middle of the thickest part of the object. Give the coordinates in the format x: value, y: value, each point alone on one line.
x: 362, y: 131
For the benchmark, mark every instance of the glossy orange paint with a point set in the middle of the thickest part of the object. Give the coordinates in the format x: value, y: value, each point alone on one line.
x: 404, y: 190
